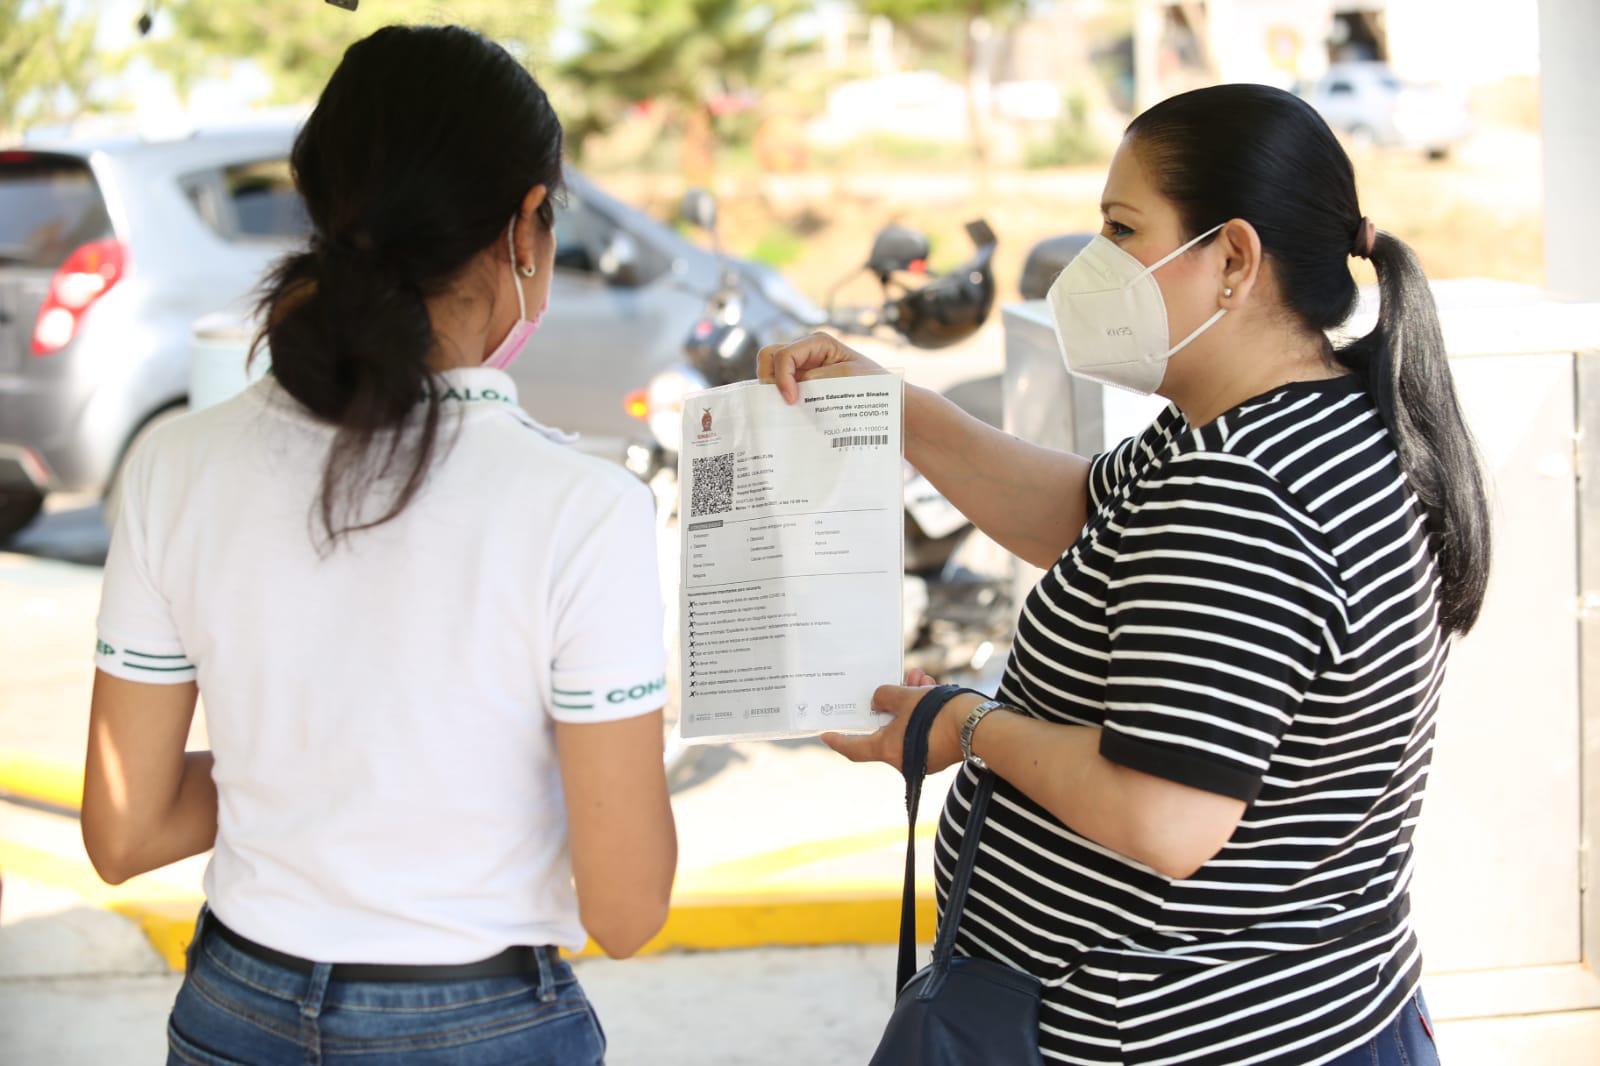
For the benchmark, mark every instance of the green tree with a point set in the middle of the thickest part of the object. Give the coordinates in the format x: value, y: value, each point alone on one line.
x: 977, y: 18
x: 683, y: 54
x: 47, y: 61
x: 297, y: 43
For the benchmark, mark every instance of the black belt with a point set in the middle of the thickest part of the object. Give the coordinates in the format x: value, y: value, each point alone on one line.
x: 512, y: 962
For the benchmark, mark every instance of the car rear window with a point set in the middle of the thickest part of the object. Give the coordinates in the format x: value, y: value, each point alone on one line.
x: 250, y: 201
x: 49, y: 205
x: 265, y: 200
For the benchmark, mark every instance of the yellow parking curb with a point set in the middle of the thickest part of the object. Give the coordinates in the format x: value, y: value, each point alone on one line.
x: 720, y: 925
x: 41, y: 781
x: 167, y: 924
x: 700, y: 920
x: 691, y: 926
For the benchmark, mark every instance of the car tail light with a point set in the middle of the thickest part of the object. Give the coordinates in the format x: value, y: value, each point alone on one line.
x: 88, y: 274
x: 637, y: 404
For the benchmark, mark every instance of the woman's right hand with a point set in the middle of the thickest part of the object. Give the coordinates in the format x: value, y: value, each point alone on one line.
x: 816, y: 356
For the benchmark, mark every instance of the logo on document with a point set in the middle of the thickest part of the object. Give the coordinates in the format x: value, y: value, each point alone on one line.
x: 706, y: 434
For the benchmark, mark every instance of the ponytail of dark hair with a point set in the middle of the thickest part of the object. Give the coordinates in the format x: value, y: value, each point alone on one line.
x: 1265, y: 156
x: 1403, y: 364
x: 416, y: 158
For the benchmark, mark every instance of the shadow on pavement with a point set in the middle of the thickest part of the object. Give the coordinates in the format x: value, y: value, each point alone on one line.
x: 710, y: 761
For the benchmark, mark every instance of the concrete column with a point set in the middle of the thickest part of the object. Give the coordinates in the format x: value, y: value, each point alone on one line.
x: 1569, y: 40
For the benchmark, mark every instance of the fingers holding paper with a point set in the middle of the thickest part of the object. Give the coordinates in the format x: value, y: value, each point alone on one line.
x: 898, y: 701
x: 816, y: 356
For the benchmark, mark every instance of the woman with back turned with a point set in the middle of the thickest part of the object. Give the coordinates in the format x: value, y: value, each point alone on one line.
x: 427, y: 630
x: 1213, y: 734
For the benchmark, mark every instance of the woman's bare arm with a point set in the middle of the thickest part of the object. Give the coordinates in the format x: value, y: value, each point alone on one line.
x: 1170, y: 827
x: 146, y: 802
x: 624, y: 841
x: 1031, y: 500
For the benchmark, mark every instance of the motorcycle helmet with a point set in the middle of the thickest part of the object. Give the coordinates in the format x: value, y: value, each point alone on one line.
x: 898, y: 248
x: 1047, y: 259
x: 948, y: 309
x: 723, y: 352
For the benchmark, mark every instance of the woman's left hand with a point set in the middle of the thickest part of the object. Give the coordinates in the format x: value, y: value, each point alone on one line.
x: 887, y: 744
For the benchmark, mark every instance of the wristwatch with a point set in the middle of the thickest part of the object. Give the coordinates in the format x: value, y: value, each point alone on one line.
x: 974, y: 716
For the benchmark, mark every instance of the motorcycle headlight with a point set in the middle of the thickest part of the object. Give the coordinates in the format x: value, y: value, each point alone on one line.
x: 665, y: 397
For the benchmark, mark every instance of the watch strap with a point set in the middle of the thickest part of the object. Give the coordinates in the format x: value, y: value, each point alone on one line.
x: 970, y: 726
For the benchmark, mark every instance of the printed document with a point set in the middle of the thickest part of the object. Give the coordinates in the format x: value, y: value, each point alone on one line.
x: 793, y: 538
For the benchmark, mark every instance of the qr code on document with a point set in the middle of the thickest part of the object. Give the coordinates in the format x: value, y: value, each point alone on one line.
x: 713, y: 485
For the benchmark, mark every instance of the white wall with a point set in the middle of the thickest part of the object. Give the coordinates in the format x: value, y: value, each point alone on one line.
x: 1460, y: 42
x: 1571, y: 33
x: 1465, y: 42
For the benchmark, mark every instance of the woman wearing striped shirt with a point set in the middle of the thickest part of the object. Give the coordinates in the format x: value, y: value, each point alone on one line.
x: 1215, y: 725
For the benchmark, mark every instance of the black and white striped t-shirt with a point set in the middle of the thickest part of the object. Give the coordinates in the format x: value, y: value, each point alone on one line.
x: 1250, y: 609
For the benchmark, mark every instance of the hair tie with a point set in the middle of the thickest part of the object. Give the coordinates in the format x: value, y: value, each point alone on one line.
x: 1366, y: 237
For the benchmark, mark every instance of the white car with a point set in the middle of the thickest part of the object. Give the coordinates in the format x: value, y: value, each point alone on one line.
x: 1369, y: 104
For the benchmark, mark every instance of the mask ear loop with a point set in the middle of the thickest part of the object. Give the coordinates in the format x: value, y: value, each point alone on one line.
x: 1158, y: 264
x: 1208, y: 323
x: 1204, y: 326
x: 516, y: 280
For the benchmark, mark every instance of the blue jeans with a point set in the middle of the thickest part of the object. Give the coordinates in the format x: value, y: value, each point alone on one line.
x: 1406, y: 1041
x: 235, y: 1010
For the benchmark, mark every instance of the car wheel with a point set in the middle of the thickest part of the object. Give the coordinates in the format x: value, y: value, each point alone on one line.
x: 113, y: 497
x: 18, y: 507
x: 1438, y: 154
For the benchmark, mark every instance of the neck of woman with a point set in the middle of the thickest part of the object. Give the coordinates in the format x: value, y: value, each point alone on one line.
x: 1246, y: 365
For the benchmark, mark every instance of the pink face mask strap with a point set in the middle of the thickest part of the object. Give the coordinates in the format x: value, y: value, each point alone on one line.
x: 516, y: 281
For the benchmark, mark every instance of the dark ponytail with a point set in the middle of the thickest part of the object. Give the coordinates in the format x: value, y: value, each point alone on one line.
x: 1265, y: 156
x: 415, y: 160
x: 1403, y: 364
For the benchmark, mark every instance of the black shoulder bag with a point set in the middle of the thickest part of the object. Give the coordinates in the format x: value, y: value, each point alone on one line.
x: 956, y: 1011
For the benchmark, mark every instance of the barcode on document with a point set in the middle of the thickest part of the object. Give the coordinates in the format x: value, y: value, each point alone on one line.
x: 858, y: 439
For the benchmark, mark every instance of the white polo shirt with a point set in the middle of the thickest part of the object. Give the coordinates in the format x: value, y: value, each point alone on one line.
x: 381, y: 717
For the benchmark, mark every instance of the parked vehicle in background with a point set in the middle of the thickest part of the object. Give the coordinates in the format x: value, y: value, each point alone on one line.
x: 1367, y: 102
x: 109, y: 249
x: 112, y: 248
x: 626, y: 290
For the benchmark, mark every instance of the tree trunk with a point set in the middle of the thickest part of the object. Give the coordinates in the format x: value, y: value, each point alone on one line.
x: 978, y: 89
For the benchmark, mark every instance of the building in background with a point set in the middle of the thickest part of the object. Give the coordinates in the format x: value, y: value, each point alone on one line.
x: 1183, y: 44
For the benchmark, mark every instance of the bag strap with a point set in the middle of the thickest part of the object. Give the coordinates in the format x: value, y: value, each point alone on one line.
x: 913, y: 767
x: 961, y: 878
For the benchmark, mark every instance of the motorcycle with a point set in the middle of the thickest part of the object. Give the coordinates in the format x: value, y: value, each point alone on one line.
x: 957, y: 588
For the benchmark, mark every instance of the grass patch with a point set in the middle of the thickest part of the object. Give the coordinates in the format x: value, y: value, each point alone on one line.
x: 778, y: 247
